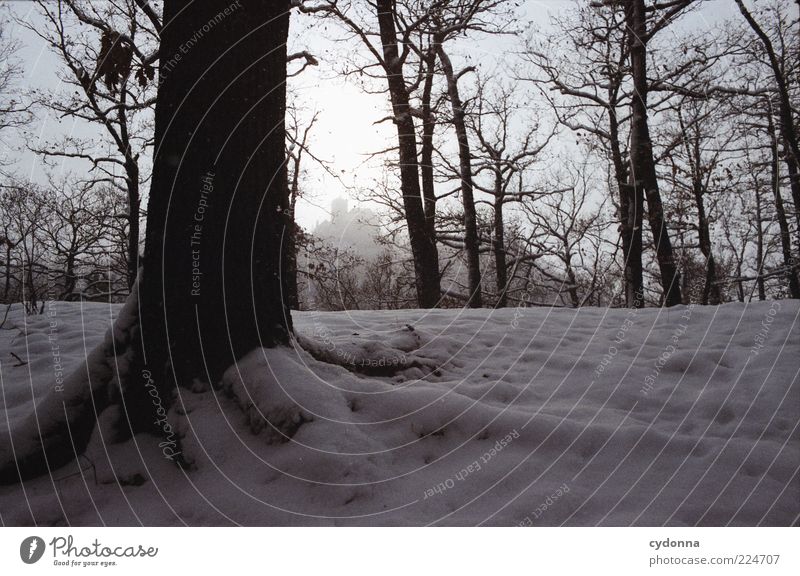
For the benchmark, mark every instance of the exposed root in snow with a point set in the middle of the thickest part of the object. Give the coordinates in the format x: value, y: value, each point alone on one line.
x: 268, y: 407
x: 368, y: 355
x: 63, y: 420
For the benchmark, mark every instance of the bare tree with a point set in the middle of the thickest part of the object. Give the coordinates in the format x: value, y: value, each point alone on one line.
x: 695, y: 163
x: 108, y: 53
x: 22, y: 215
x: 84, y: 240
x: 567, y: 233
x: 586, y: 62
x: 471, y: 245
x: 782, y: 57
x: 643, y: 167
x: 390, y: 56
x: 449, y: 21
x: 790, y: 268
x: 297, y: 142
x: 508, y: 145
x: 14, y: 112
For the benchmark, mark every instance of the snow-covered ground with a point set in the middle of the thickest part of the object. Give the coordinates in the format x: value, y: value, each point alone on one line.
x: 526, y: 416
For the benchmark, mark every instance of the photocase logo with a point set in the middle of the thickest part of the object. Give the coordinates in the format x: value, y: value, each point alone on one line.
x: 31, y: 550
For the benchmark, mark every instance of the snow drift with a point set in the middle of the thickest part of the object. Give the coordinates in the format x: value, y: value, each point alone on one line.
x: 685, y: 416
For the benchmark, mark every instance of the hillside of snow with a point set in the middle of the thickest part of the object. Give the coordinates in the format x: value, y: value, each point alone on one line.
x: 521, y: 416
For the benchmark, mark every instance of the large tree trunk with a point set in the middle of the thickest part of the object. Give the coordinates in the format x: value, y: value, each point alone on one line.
x: 739, y: 281
x: 212, y: 278
x: 423, y: 246
x: 643, y: 167
x: 471, y: 243
x: 571, y: 278
x: 794, y: 180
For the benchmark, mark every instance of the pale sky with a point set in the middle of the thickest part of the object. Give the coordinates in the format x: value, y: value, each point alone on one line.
x: 346, y: 131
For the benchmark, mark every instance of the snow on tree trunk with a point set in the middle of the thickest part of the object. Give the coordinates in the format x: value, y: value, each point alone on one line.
x: 62, y: 422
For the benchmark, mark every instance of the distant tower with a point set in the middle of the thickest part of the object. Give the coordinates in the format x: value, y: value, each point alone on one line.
x: 338, y: 208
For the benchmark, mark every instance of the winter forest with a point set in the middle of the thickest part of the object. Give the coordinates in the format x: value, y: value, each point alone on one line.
x: 400, y: 262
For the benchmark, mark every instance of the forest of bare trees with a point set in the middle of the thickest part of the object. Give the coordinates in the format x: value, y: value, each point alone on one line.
x: 627, y: 154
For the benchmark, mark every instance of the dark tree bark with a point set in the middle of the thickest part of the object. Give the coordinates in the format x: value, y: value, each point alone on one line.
x: 471, y: 243
x: 131, y: 162
x: 739, y: 282
x: 69, y: 278
x: 423, y: 246
x: 214, y: 279
x: 134, y: 200
x: 643, y: 167
x: 571, y: 278
x: 426, y: 147
x: 631, y: 209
